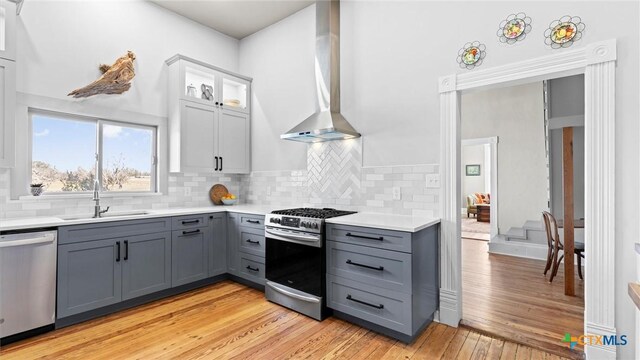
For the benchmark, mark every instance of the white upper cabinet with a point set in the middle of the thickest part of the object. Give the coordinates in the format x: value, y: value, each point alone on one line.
x: 209, y: 118
x: 234, y: 146
x: 235, y: 93
x: 7, y: 30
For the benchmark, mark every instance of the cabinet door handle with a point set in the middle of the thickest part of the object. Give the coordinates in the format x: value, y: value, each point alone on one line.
x: 252, y: 241
x: 185, y: 222
x: 365, y: 303
x: 117, y: 251
x: 126, y: 250
x: 253, y: 221
x: 252, y: 269
x: 380, y: 238
x: 379, y: 268
x: 220, y: 163
x: 216, y: 163
x: 193, y: 232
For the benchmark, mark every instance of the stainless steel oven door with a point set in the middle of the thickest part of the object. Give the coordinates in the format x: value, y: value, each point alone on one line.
x: 297, y: 237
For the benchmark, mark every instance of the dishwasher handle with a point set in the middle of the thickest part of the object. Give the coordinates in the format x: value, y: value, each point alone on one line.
x: 48, y: 238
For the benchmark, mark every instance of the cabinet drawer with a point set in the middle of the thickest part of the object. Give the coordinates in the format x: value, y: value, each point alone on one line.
x: 383, y: 307
x: 384, y: 268
x: 383, y: 239
x: 251, y: 268
x: 112, y: 229
x: 252, y: 242
x: 189, y: 222
x: 252, y: 221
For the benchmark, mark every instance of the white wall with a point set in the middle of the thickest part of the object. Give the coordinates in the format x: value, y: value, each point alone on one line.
x: 281, y: 59
x: 61, y: 44
x: 471, y: 155
x: 516, y: 116
x: 392, y: 55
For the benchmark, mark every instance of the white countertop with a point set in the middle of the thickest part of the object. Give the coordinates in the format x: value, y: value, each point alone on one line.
x: 37, y: 222
x: 385, y: 221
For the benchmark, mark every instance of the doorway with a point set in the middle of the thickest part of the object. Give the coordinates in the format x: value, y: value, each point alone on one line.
x: 597, y: 62
x: 479, y: 174
x: 506, y: 292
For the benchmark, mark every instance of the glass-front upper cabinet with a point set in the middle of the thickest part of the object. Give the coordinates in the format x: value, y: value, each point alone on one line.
x: 7, y: 30
x: 235, y: 93
x: 199, y: 83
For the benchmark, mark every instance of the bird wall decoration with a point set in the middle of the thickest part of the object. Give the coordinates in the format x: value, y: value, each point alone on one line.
x: 115, y: 79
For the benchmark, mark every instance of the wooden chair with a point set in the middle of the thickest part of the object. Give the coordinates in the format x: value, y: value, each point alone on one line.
x: 555, y: 246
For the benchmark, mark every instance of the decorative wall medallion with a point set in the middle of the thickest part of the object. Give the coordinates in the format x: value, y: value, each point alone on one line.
x: 564, y: 32
x: 514, y: 28
x: 471, y: 55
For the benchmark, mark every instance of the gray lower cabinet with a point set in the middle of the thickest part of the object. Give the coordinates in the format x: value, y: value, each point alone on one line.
x: 189, y: 255
x: 233, y: 234
x: 246, y: 247
x: 89, y: 276
x: 146, y: 264
x: 217, y: 244
x: 384, y: 280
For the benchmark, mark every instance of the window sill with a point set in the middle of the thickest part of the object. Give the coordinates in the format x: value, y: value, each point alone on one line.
x: 49, y: 197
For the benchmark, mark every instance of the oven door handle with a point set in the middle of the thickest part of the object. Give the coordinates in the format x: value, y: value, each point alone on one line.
x: 293, y: 237
x: 277, y: 288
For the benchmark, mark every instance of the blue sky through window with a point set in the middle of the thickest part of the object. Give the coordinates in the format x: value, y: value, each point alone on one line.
x: 69, y: 144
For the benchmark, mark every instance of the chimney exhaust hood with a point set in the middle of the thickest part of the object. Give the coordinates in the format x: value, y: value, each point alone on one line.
x: 327, y: 123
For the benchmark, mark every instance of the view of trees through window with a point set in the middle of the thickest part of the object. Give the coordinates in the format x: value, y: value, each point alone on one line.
x: 127, y: 154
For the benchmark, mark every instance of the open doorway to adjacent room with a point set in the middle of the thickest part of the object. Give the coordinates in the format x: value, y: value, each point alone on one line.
x: 514, y: 140
x: 479, y: 169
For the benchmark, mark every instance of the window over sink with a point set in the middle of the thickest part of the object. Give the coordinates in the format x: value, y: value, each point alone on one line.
x: 69, y: 152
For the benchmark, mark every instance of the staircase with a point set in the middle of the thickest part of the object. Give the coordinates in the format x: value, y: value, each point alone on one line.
x: 528, y: 241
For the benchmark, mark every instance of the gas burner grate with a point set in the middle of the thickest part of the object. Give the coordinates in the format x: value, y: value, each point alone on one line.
x: 313, y: 212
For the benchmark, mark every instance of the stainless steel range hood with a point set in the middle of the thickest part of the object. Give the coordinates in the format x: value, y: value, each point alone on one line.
x: 327, y: 123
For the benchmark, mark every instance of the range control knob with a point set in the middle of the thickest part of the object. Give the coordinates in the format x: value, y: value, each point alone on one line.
x: 315, y: 225
x: 304, y: 224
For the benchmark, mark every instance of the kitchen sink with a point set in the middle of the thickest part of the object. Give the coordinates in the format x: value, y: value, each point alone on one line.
x: 115, y: 214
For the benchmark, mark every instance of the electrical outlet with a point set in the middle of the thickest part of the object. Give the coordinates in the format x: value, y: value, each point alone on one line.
x: 396, y: 193
x: 433, y: 180
x: 187, y: 191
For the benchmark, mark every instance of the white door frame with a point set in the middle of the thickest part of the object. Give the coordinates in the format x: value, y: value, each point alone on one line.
x: 597, y: 62
x: 493, y: 145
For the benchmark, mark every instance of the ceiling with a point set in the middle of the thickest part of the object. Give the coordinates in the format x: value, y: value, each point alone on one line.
x: 236, y: 18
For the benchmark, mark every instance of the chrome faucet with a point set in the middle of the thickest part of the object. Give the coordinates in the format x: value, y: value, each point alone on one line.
x: 97, y: 212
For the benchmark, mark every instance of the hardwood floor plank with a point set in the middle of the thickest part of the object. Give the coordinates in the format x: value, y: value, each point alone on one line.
x: 495, y: 350
x: 523, y: 353
x: 482, y: 348
x: 509, y: 351
x: 469, y: 345
x: 456, y: 344
x: 231, y: 321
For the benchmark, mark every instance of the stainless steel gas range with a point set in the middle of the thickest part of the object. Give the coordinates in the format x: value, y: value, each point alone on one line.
x: 295, y: 259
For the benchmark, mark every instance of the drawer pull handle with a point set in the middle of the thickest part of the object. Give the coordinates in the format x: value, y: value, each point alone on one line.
x: 365, y: 303
x: 252, y: 269
x: 380, y: 238
x: 379, y: 268
x: 126, y: 249
x: 190, y: 222
x: 252, y: 241
x: 253, y: 221
x: 191, y: 232
x: 117, y: 251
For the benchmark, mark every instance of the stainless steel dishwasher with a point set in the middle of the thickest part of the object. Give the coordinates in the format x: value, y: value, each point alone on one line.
x: 27, y: 281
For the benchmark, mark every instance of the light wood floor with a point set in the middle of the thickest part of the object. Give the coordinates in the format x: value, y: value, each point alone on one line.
x: 228, y: 320
x: 511, y: 298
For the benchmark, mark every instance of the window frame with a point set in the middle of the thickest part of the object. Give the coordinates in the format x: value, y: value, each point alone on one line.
x: 99, y: 122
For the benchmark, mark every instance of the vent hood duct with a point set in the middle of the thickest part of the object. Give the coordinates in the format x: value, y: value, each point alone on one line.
x: 327, y: 123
